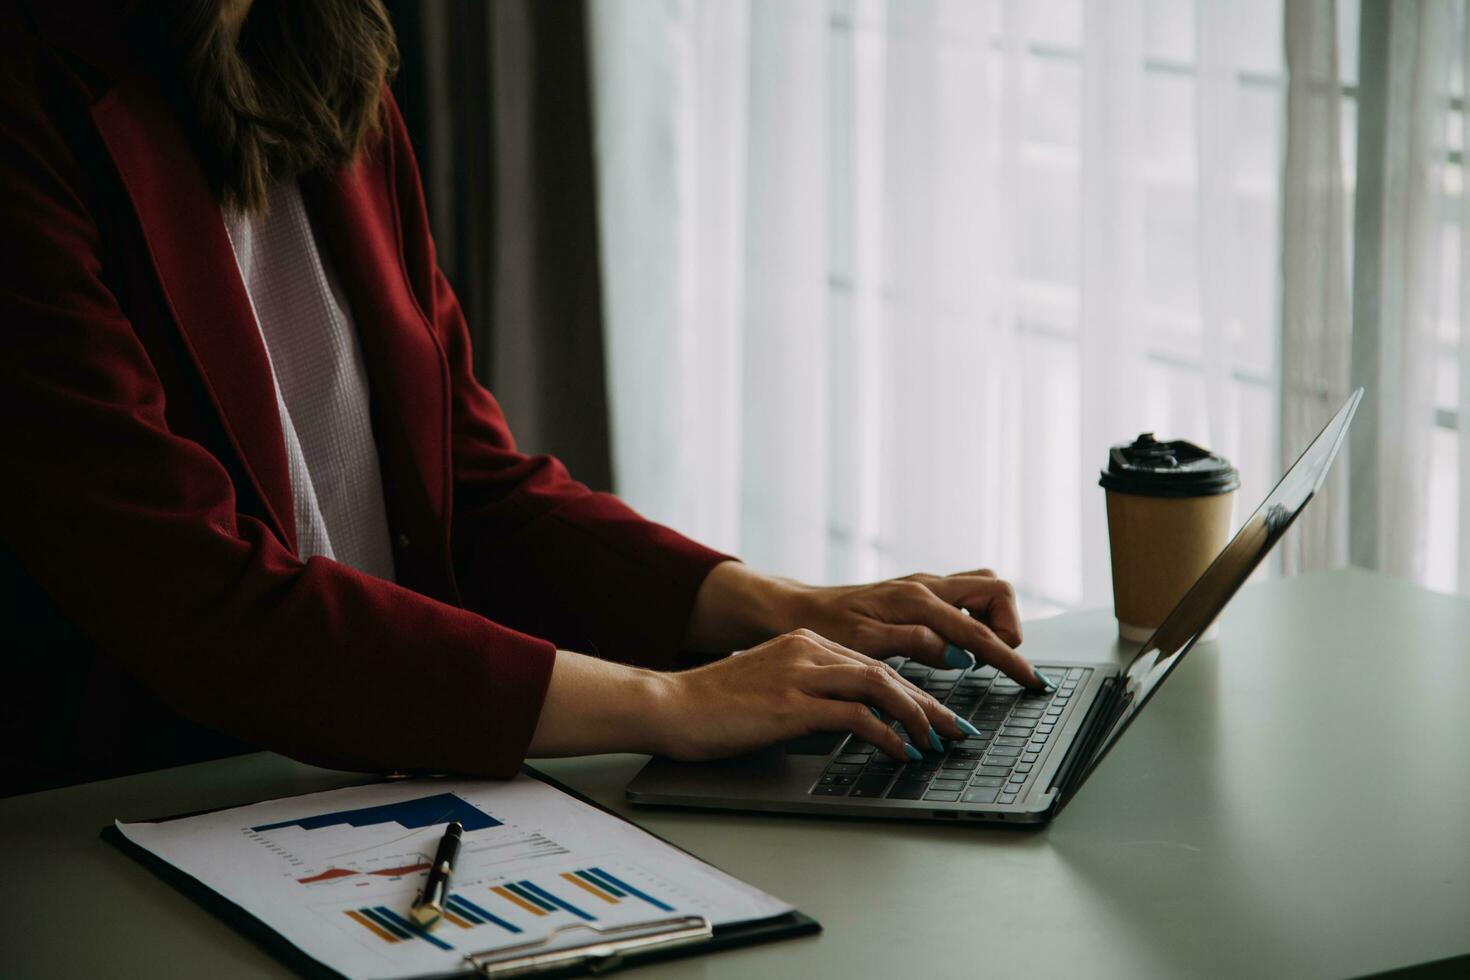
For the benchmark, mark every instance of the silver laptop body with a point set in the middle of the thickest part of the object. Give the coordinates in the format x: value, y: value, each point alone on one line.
x: 1035, y: 750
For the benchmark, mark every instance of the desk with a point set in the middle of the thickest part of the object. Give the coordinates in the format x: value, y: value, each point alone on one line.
x: 1295, y: 802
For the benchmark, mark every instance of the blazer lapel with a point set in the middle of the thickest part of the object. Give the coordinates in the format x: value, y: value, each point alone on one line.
x: 191, y: 253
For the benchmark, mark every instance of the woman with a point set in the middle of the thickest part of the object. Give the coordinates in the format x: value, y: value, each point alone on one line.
x: 255, y: 497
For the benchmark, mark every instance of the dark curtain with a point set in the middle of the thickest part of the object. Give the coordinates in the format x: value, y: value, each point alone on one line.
x: 497, y: 100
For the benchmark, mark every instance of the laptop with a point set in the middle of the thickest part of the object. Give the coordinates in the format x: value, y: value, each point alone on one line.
x: 1035, y: 750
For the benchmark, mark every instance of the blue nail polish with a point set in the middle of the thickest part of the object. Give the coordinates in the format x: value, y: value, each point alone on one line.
x: 1047, y: 683
x: 954, y: 658
x: 934, y: 741
x: 914, y: 754
x: 965, y: 726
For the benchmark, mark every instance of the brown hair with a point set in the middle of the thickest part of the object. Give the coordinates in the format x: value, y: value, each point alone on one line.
x: 300, y: 90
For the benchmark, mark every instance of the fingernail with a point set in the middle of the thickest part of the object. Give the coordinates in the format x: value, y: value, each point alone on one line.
x: 965, y: 726
x: 914, y: 754
x: 955, y: 657
x: 1047, y: 683
x: 934, y: 741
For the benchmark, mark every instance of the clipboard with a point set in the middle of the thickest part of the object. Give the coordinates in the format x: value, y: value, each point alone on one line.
x: 599, y: 950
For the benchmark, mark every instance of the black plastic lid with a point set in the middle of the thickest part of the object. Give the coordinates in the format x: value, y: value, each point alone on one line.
x: 1151, y: 468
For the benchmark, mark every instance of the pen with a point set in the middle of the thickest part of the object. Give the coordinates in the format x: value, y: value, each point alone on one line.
x: 428, y: 907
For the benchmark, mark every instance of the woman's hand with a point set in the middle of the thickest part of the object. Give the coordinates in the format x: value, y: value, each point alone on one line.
x: 794, y: 685
x: 931, y: 618
x: 942, y: 621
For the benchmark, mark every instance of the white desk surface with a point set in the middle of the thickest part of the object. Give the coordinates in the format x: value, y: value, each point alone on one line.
x: 1295, y: 802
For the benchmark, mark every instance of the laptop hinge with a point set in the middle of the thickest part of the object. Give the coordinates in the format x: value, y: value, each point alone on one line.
x: 1075, y: 761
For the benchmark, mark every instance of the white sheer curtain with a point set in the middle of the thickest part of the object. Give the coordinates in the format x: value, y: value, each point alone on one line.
x: 1407, y: 492
x: 1316, y: 324
x: 884, y: 280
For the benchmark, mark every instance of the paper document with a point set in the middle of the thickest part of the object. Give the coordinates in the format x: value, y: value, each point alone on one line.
x: 335, y: 873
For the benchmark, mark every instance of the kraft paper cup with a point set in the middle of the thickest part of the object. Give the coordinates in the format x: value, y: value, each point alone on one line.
x: 1169, y: 509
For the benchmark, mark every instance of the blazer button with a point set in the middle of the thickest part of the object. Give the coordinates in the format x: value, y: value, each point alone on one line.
x: 403, y: 541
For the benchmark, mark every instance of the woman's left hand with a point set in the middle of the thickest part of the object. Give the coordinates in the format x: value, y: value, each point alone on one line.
x: 920, y: 616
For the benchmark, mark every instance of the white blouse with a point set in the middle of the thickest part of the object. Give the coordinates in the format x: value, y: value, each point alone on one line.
x: 321, y: 385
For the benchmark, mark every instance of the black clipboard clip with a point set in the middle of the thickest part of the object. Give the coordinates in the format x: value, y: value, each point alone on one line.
x: 603, y: 951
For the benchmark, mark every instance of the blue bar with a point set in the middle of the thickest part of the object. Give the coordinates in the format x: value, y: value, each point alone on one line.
x: 547, y: 896
x: 630, y: 889
x: 400, y: 933
x: 614, y: 892
x: 450, y: 905
x: 402, y: 923
x: 526, y: 896
x: 465, y: 905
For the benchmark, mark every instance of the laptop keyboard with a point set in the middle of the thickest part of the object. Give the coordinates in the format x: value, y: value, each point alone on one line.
x: 997, y: 766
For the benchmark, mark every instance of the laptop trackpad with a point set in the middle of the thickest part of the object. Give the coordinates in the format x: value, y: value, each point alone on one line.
x: 819, y: 743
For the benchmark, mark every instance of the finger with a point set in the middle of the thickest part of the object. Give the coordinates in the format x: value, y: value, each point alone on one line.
x: 971, y: 634
x: 986, y: 597
x: 939, y: 718
x: 911, y: 640
x: 833, y: 715
x: 840, y: 653
x: 871, y: 685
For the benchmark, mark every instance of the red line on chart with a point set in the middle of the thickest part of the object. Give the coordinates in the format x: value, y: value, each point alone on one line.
x: 327, y: 875
x: 406, y: 869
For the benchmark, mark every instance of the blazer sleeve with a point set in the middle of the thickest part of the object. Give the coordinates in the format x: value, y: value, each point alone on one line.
x: 135, y: 533
x: 532, y: 547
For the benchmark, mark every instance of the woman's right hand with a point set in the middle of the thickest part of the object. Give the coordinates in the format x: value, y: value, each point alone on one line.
x: 796, y: 684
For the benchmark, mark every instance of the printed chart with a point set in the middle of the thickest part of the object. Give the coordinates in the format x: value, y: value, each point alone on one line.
x: 364, y: 866
x: 337, y: 873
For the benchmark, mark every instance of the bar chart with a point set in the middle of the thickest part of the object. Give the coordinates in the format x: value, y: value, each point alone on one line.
x: 554, y: 896
x: 425, y: 811
x: 391, y: 927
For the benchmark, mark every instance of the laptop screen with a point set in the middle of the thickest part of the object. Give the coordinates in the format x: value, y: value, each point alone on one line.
x: 1225, y: 575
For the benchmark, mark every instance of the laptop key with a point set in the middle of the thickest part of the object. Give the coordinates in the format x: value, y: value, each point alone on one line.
x: 942, y: 796
x: 844, y: 770
x: 948, y: 785
x: 870, y: 786
x: 954, y: 764
x: 981, y: 794
x: 1030, y: 757
x: 1007, y: 797
x: 885, y: 767
x: 907, y: 790
x: 1025, y: 767
x: 851, y: 759
x: 859, y: 747
x: 820, y: 790
x: 993, y: 771
x: 988, y: 781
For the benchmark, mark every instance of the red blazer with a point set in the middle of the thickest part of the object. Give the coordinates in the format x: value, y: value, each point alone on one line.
x: 155, y: 609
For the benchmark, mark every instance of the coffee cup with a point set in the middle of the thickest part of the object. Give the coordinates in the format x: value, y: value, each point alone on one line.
x: 1169, y: 509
